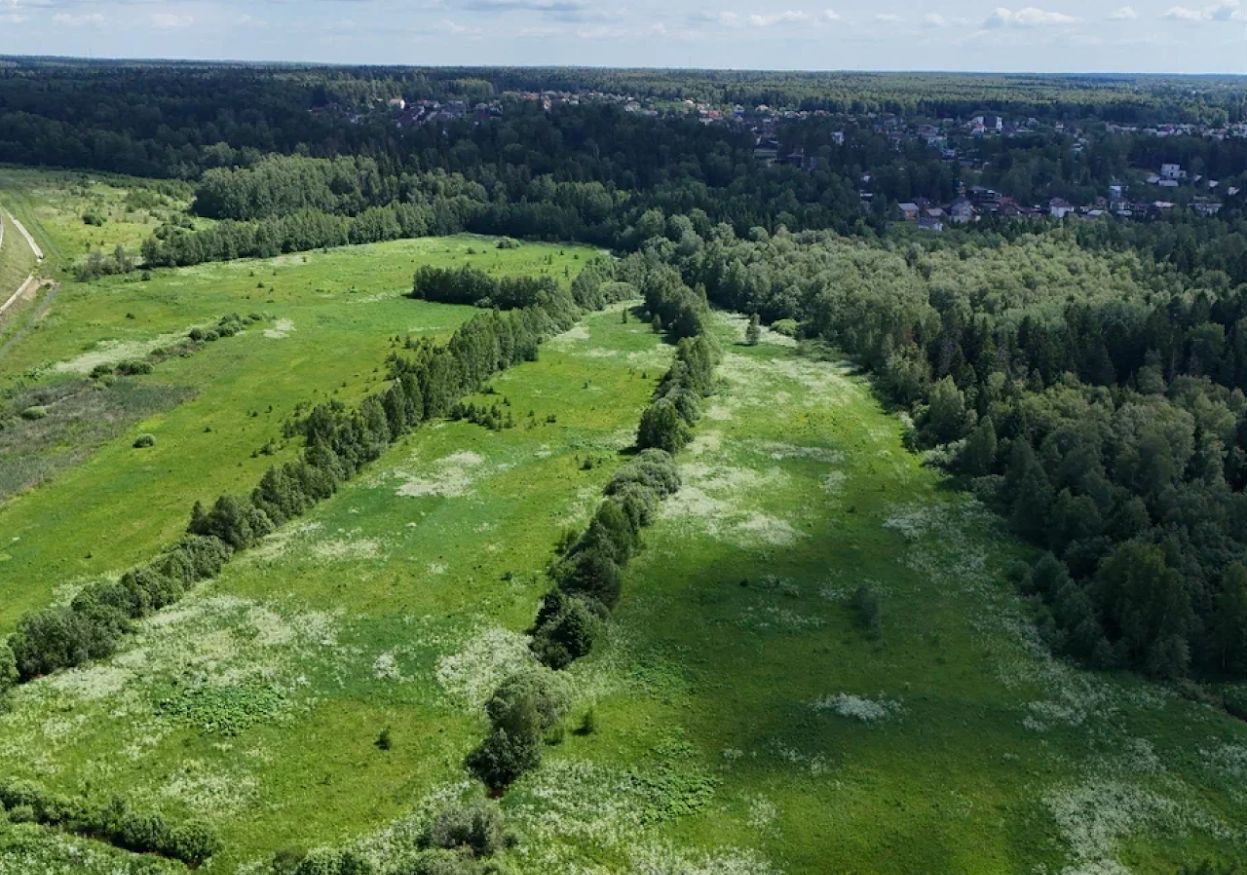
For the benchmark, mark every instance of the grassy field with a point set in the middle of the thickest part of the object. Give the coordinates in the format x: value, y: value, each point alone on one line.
x: 329, y: 320
x: 58, y: 203
x: 17, y: 259
x: 746, y: 722
x: 398, y: 603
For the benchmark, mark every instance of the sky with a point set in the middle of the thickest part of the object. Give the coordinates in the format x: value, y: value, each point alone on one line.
x: 1056, y: 36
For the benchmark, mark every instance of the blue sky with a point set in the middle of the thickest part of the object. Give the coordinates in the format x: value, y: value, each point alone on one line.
x: 1054, y: 35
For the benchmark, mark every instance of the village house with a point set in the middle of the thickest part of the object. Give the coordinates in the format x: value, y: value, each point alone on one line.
x: 1059, y: 208
x: 909, y: 211
x: 1172, y: 171
x: 961, y: 211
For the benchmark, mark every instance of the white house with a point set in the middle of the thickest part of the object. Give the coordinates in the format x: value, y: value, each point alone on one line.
x: 1172, y: 171
x: 1059, y: 208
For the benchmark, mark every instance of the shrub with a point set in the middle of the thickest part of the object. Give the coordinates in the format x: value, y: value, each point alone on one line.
x: 330, y: 862
x: 477, y: 829
x: 8, y: 667
x: 193, y: 842
x: 502, y: 758
x: 143, y: 441
x: 134, y: 367
x: 521, y: 711
x: 653, y: 468
x: 565, y: 629
x: 58, y: 637
x: 34, y: 412
x: 866, y: 610
x: 662, y: 427
x: 590, y: 572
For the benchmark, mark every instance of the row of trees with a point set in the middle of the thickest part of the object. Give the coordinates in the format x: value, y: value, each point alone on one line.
x: 115, y: 821
x: 427, y: 380
x: 587, y: 576
x: 469, y: 285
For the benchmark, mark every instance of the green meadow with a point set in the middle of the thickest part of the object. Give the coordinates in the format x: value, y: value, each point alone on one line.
x: 326, y: 323
x: 819, y: 662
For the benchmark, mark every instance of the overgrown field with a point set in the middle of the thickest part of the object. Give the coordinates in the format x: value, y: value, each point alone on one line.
x: 327, y: 322
x: 398, y: 604
x: 751, y: 711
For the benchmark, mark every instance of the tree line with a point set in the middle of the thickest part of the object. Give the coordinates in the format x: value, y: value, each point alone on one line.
x: 426, y: 380
x: 587, y: 574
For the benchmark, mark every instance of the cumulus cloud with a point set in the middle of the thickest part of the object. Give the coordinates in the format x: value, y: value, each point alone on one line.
x: 831, y: 15
x: 1228, y: 10
x: 934, y: 19
x: 1028, y: 16
x: 888, y: 18
x: 84, y: 19
x: 171, y: 20
x: 1125, y: 13
x: 788, y: 16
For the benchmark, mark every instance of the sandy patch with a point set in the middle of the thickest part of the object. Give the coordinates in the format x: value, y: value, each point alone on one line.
x: 111, y: 352
x: 448, y: 477
x: 283, y: 328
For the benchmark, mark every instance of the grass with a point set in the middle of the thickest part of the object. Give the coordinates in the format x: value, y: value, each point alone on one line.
x: 330, y: 320
x: 55, y: 203
x: 951, y: 743
x: 744, y: 720
x: 17, y: 259
x: 258, y: 700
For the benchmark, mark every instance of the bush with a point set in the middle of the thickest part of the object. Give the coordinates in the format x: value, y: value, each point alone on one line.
x: 521, y: 711
x: 653, y: 468
x: 134, y: 367
x: 330, y: 862
x: 34, y: 412
x: 565, y: 629
x: 143, y: 441
x: 592, y: 573
x: 8, y: 667
x: 60, y: 637
x: 866, y: 611
x: 662, y: 427
x: 477, y: 829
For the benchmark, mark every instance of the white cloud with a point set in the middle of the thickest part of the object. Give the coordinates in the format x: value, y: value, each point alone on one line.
x: 171, y: 20
x: 456, y: 29
x: 831, y: 15
x: 85, y: 19
x: 1029, y: 16
x: 1227, y: 10
x: 788, y: 16
x: 888, y: 18
x: 934, y: 19
x: 1125, y: 13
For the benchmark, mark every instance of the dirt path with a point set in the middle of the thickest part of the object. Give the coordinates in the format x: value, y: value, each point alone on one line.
x: 21, y: 229
x: 31, y: 285
x: 26, y: 290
